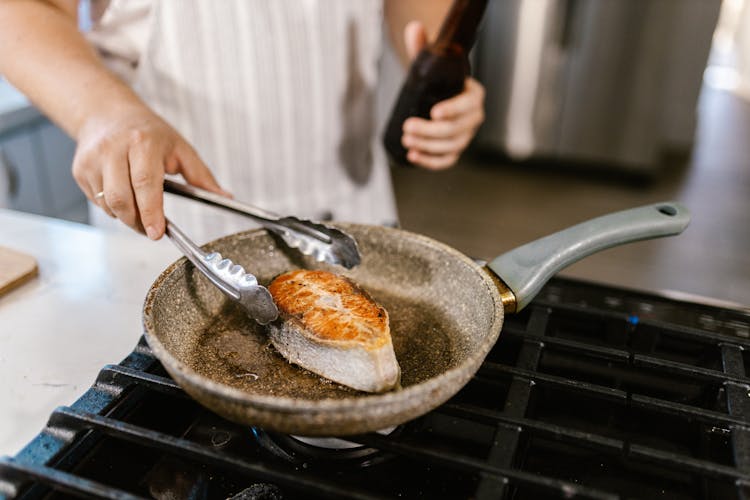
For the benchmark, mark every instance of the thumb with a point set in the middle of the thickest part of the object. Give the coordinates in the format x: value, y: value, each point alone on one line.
x: 415, y: 37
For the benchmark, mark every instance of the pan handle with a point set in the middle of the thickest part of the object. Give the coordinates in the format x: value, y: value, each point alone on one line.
x: 526, y: 269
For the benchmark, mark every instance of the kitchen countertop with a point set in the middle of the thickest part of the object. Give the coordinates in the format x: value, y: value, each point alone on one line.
x: 82, y: 312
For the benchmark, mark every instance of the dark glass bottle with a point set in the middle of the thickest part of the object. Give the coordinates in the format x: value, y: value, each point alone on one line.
x: 437, y: 73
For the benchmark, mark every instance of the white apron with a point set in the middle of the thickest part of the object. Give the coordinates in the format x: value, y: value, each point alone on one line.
x: 277, y: 97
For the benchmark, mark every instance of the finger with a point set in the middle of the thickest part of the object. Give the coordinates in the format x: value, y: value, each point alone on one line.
x: 437, y: 146
x: 195, y: 172
x: 118, y: 193
x: 98, y: 197
x: 98, y: 200
x: 443, y: 129
x: 90, y: 182
x: 146, y: 162
x: 469, y: 100
x: 415, y: 37
x: 431, y: 162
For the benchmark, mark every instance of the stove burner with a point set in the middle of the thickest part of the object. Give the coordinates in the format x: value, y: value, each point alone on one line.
x: 172, y: 478
x: 260, y: 491
x: 308, y: 452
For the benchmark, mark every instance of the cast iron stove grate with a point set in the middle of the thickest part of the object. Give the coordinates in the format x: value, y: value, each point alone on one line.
x: 592, y: 392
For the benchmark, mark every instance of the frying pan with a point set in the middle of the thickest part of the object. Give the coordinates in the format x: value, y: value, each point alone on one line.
x: 446, y: 313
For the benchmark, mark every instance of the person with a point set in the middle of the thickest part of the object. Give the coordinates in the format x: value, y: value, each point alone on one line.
x: 277, y: 97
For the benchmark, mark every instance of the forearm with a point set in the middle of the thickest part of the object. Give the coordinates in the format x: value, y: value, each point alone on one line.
x: 44, y: 55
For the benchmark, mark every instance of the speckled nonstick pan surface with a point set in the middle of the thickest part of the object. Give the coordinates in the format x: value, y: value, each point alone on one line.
x: 445, y: 315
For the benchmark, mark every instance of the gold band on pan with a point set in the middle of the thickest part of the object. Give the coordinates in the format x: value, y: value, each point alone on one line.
x: 506, y: 294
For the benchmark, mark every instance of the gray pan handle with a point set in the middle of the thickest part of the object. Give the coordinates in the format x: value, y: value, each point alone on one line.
x: 527, y: 268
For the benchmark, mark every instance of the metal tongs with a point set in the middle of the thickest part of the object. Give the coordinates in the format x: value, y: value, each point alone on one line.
x: 228, y: 277
x: 322, y: 242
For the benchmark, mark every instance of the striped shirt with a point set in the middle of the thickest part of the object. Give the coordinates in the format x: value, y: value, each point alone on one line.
x: 277, y: 97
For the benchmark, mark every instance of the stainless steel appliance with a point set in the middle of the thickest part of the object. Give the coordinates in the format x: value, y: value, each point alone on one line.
x: 607, y: 83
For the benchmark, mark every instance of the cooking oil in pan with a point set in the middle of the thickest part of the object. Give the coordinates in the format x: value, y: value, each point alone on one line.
x: 235, y: 351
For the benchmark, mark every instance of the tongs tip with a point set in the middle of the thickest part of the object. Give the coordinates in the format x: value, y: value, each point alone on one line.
x: 322, y: 242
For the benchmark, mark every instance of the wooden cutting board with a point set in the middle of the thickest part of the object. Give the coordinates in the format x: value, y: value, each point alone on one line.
x: 15, y: 268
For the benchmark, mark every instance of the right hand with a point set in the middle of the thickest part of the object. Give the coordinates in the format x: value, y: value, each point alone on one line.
x: 437, y: 143
x: 125, y: 156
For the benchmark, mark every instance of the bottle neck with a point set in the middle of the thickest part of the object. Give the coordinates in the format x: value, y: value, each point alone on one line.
x: 459, y: 28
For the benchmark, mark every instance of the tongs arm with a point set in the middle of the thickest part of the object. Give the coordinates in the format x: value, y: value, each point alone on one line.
x: 228, y: 277
x: 323, y: 242
x: 261, y: 216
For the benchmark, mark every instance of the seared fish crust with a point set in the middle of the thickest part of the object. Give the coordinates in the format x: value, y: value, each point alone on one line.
x: 332, y: 327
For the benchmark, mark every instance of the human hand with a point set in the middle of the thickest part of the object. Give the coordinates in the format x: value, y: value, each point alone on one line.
x: 124, y: 155
x: 437, y: 143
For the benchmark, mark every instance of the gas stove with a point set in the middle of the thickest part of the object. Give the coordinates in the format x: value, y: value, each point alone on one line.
x: 591, y: 392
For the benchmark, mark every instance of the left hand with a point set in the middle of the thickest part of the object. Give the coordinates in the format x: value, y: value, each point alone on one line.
x: 437, y: 143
